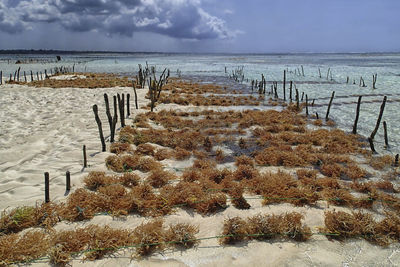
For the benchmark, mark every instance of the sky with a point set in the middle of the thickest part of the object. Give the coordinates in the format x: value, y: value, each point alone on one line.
x: 215, y: 26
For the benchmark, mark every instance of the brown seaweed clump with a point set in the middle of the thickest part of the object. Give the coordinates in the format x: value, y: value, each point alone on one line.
x: 265, y: 227
x: 18, y: 219
x: 182, y: 235
x: 19, y: 248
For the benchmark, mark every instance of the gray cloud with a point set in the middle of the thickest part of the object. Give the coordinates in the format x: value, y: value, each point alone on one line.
x: 175, y: 18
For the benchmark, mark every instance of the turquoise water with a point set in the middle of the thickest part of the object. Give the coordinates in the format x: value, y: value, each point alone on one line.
x: 212, y: 68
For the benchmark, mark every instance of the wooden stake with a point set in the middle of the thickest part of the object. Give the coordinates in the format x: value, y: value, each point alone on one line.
x: 46, y: 187
x: 24, y: 76
x: 329, y: 106
x: 379, y: 118
x: 319, y: 71
x: 327, y: 74
x: 84, y: 157
x: 1, y: 77
x: 19, y: 68
x: 312, y: 104
x: 96, y: 115
x: 307, y: 105
x: 302, y: 96
x: 284, y: 85
x: 108, y: 113
x: 297, y: 100
x: 31, y: 76
x: 316, y: 114
x: 357, y: 115
x: 134, y: 90
x: 121, y: 110
x: 347, y: 81
x: 290, y: 89
x: 396, y: 160
x: 385, y: 135
x: 371, y: 144
x: 302, y: 70
x: 67, y: 181
x: 115, y: 118
x: 128, y: 108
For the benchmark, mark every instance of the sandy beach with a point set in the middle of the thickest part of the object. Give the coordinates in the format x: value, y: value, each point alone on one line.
x: 44, y: 129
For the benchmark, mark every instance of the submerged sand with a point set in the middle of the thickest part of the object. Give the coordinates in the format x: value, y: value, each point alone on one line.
x: 44, y: 129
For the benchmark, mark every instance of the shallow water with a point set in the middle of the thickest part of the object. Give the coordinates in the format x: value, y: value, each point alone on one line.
x: 211, y: 68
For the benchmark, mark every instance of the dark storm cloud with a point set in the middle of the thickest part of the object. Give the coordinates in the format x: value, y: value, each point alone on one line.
x: 175, y: 18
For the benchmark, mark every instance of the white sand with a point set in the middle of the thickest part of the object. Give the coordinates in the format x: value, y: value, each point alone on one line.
x: 45, y: 129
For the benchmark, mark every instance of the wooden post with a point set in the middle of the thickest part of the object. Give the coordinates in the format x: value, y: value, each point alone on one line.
x: 19, y: 69
x: 307, y: 105
x: 108, y: 113
x: 302, y: 70
x: 347, y: 81
x: 128, y: 108
x: 134, y: 90
x: 379, y: 118
x: 290, y: 89
x: 10, y: 77
x: 1, y: 77
x: 357, y: 115
x: 31, y: 76
x: 316, y: 114
x: 312, y: 104
x: 46, y: 187
x: 25, y: 76
x: 45, y: 74
x: 297, y: 100
x: 385, y: 135
x: 396, y: 160
x: 96, y: 115
x: 67, y: 181
x: 284, y: 85
x: 84, y: 157
x: 302, y: 96
x: 329, y: 106
x: 37, y: 75
x: 121, y: 106
x: 371, y: 144
x: 374, y: 80
x: 327, y: 74
x: 319, y: 71
x: 115, y: 118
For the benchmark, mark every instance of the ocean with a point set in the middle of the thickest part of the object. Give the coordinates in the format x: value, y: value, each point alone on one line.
x: 218, y: 67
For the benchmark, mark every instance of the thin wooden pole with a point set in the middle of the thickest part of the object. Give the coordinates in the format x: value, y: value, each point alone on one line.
x: 46, y: 187
x: 67, y: 181
x: 297, y: 100
x: 379, y: 118
x: 329, y: 106
x: 284, y: 85
x: 306, y: 104
x: 96, y: 115
x: 25, y: 76
x: 128, y: 108
x: 357, y: 115
x: 108, y: 113
x: 84, y: 157
x: 319, y: 71
x: 302, y: 70
x: 396, y: 160
x: 385, y: 135
x: 371, y: 144
x: 1, y: 77
x: 115, y: 118
x: 290, y: 89
x: 31, y: 76
x: 134, y: 90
